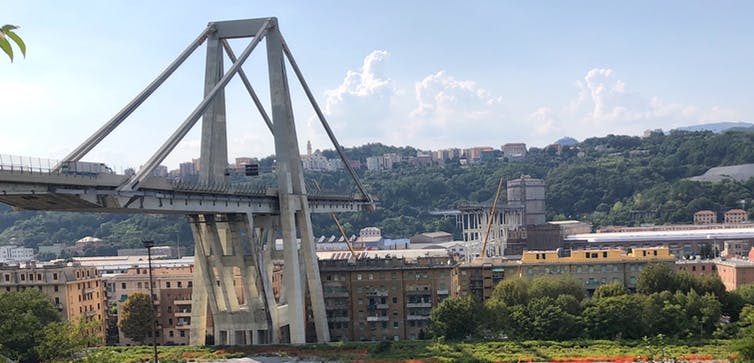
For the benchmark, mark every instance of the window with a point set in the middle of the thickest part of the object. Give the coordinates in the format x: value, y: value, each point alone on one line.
x: 23, y: 277
x: 122, y: 285
x: 39, y: 277
x: 183, y: 333
x: 167, y: 284
x: 180, y: 283
x: 190, y: 284
x: 170, y: 333
x: 358, y: 277
x: 56, y: 288
x: 54, y: 275
x: 7, y: 277
x: 604, y: 254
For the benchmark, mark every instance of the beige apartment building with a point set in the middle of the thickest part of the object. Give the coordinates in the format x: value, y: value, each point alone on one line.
x: 75, y: 290
x: 705, y: 217
x: 383, y: 298
x: 172, y: 290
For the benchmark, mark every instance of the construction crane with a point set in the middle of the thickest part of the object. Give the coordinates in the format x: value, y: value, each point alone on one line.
x: 340, y: 226
x: 483, y: 251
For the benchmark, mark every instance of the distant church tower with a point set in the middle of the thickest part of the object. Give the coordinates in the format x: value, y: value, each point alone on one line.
x: 309, y: 148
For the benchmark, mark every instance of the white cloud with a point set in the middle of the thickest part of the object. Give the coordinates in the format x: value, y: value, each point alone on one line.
x: 362, y: 102
x: 450, y: 112
x: 605, y: 104
x: 544, y: 121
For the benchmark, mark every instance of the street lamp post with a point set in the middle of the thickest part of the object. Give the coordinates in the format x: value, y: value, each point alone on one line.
x: 148, y: 244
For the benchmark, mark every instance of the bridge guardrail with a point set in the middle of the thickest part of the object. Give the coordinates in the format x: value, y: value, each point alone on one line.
x: 26, y: 164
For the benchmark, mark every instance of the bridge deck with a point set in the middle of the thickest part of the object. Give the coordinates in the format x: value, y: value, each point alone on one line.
x: 67, y: 192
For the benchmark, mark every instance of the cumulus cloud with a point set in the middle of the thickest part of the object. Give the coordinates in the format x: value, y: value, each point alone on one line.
x: 363, y: 100
x: 544, y: 121
x: 450, y: 109
x: 605, y: 104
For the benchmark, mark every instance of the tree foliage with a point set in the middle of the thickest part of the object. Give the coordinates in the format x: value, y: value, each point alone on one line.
x: 136, y: 317
x: 23, y: 317
x: 8, y: 31
x: 605, y: 180
x: 62, y: 340
x: 554, y: 307
x: 457, y: 318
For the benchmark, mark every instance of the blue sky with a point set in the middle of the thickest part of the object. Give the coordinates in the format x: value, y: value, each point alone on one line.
x: 430, y: 74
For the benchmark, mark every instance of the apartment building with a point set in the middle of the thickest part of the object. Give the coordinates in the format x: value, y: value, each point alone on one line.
x: 76, y: 291
x: 172, y: 294
x: 705, y: 217
x: 593, y: 268
x: 736, y: 216
x: 384, y: 297
x: 735, y: 272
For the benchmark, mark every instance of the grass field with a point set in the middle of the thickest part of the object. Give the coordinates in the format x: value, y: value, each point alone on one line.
x: 439, y: 351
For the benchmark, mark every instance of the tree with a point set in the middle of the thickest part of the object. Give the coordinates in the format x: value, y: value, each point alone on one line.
x: 615, y: 316
x: 136, y: 317
x: 510, y: 292
x: 61, y: 340
x: 549, y: 320
x: 610, y: 290
x: 7, y: 31
x: 554, y: 286
x: 656, y: 277
x: 23, y: 316
x: 745, y: 344
x: 457, y: 318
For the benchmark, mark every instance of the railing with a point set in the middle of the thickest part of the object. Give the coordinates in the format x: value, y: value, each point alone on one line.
x: 26, y: 164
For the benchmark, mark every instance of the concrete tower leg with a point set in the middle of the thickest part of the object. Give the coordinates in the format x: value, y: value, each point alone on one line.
x: 214, y: 148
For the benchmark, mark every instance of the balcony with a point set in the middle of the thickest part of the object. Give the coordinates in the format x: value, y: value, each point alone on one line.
x: 379, y: 306
x: 377, y: 318
x: 377, y: 293
x: 418, y: 317
x: 419, y: 305
x: 442, y: 291
x: 337, y: 294
x: 339, y: 319
x: 185, y: 313
x: 182, y: 302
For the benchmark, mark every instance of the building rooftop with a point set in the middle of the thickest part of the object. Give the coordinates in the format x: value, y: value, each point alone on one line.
x: 698, y: 234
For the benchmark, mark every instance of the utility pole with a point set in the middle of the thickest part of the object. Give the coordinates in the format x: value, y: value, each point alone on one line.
x: 148, y: 244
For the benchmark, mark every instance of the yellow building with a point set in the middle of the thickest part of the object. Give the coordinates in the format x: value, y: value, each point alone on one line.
x: 592, y: 267
x: 75, y: 290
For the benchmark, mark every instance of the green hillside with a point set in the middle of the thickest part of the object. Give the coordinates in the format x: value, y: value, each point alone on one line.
x: 606, y: 180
